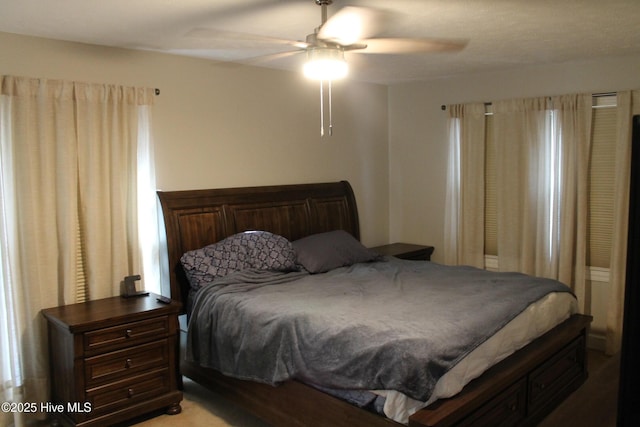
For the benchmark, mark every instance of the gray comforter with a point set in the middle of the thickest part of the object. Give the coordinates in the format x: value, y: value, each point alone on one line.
x: 393, y: 325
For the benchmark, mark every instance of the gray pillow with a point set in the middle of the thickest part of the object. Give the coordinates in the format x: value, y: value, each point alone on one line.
x: 322, y: 252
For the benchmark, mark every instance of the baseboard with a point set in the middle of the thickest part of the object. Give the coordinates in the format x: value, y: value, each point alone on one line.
x: 596, y: 341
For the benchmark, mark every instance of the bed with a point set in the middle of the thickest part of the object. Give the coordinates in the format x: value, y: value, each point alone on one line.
x: 518, y: 390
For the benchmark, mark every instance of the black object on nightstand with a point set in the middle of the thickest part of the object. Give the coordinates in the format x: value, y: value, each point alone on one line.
x: 406, y: 251
x: 113, y: 359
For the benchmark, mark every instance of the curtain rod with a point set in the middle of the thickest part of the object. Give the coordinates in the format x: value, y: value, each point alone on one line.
x: 595, y: 95
x: 599, y: 95
x: 444, y: 107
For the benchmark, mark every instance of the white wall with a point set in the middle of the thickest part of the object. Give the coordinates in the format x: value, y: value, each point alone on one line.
x: 225, y: 125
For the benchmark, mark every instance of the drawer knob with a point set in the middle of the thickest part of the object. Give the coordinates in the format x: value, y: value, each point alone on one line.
x: 540, y: 386
x: 128, y: 333
x: 130, y: 392
x: 513, y: 407
x: 127, y: 363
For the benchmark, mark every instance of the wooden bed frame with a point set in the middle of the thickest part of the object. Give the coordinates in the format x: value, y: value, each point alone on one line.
x: 520, y: 390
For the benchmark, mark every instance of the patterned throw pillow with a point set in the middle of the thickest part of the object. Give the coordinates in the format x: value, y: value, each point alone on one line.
x: 251, y: 249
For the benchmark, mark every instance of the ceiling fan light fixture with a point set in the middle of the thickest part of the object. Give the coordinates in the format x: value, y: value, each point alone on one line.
x: 325, y: 63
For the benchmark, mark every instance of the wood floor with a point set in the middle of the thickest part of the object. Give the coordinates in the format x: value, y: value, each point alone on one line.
x: 593, y: 405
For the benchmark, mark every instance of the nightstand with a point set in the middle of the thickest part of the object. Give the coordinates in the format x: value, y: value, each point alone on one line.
x: 113, y: 359
x: 406, y: 251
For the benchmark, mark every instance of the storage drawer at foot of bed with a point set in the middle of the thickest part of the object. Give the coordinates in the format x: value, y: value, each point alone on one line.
x: 113, y: 396
x: 558, y: 376
x: 506, y: 409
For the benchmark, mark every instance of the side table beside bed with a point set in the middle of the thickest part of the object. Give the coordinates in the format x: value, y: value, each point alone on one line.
x: 406, y: 251
x: 113, y: 359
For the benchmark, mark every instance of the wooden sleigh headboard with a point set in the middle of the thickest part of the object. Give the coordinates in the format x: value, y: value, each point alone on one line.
x: 197, y: 218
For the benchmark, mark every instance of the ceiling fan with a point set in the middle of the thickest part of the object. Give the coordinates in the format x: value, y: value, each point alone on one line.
x: 351, y: 29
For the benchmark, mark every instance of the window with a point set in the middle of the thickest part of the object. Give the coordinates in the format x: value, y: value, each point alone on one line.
x: 490, y: 205
x: 601, y: 183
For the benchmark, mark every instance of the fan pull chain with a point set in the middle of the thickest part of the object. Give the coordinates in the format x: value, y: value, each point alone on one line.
x: 330, y: 108
x: 321, y: 108
x: 330, y: 114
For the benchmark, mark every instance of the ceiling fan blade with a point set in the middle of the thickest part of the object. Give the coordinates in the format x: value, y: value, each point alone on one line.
x: 269, y: 57
x: 351, y: 24
x: 409, y: 45
x: 212, y: 34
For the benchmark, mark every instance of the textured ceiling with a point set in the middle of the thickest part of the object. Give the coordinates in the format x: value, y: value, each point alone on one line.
x: 500, y: 33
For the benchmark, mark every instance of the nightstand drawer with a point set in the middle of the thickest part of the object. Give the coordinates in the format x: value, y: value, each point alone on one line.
x: 126, y: 334
x: 128, y: 391
x: 111, y: 366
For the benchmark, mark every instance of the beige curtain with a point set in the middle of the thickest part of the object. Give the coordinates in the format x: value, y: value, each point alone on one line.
x: 542, y: 215
x: 573, y: 130
x: 543, y: 156
x: 522, y: 178
x: 69, y: 158
x: 464, y: 216
x: 628, y: 106
x: 107, y: 124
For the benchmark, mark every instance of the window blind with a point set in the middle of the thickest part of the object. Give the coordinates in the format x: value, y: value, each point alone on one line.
x: 601, y: 181
x: 490, y: 203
